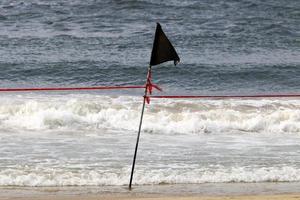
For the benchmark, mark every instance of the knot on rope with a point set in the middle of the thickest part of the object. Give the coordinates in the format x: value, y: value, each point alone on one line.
x: 149, y: 87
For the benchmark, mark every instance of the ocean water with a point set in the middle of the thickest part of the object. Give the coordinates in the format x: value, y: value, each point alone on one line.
x: 88, y: 138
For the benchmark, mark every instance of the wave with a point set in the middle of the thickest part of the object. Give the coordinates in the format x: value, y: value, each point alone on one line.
x: 86, y: 112
x: 60, y: 177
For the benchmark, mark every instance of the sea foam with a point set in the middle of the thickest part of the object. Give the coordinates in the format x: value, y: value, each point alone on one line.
x: 184, y: 141
x: 60, y: 177
x: 161, y: 116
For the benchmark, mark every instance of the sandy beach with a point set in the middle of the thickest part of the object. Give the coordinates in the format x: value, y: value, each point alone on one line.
x: 258, y: 197
x: 236, y: 191
x: 149, y: 197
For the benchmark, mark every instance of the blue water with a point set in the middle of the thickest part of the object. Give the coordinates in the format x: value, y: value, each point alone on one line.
x: 225, y: 46
x: 88, y: 138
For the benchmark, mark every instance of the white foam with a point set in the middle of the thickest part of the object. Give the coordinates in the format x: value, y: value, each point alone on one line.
x: 62, y: 177
x: 166, y: 116
x: 82, y: 112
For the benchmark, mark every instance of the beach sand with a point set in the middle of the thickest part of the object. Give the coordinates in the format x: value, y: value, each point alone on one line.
x: 256, y: 197
x: 149, y: 197
x: 234, y: 191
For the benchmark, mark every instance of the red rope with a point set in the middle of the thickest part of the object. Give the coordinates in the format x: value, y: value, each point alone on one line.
x: 225, y: 96
x: 70, y: 88
x: 143, y: 86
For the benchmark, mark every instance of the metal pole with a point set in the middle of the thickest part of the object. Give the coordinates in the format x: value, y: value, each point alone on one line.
x: 140, y: 127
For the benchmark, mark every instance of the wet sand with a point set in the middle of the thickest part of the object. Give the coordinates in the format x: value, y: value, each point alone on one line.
x: 256, y: 197
x: 234, y: 191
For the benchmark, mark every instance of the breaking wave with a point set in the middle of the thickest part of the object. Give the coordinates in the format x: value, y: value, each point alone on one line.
x: 61, y: 177
x: 84, y: 112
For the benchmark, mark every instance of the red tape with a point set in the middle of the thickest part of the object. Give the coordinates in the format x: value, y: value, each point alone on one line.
x: 150, y: 86
x: 225, y: 96
x: 70, y: 88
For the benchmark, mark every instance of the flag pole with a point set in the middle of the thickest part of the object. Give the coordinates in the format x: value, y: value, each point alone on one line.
x: 140, y: 126
x: 162, y: 51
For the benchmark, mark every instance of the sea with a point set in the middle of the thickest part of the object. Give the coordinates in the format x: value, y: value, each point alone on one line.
x: 87, y: 138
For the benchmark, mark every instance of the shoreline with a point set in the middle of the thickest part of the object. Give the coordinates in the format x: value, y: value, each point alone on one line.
x: 211, y: 191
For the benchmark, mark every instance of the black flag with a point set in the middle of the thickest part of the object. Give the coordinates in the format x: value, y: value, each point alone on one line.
x: 162, y: 50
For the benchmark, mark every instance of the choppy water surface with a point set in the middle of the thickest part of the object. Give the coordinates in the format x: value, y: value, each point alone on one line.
x: 241, y: 47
